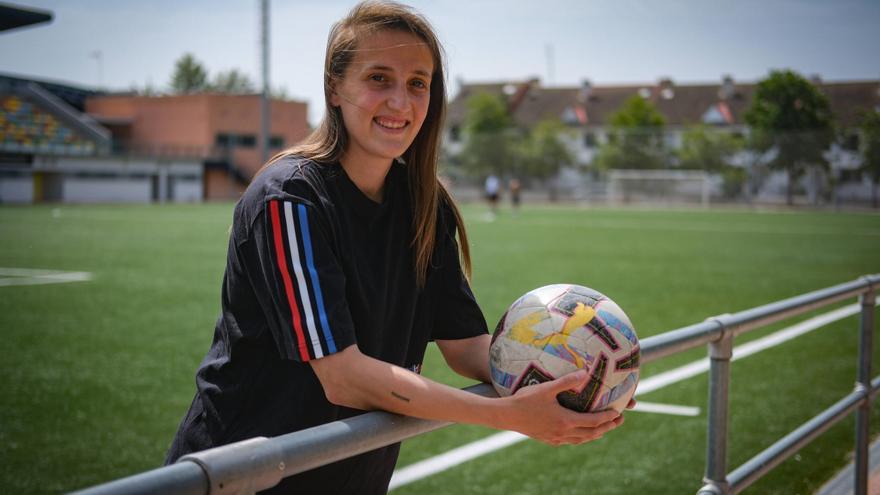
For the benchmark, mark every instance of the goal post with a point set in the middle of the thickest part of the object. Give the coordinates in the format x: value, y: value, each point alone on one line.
x: 659, y: 186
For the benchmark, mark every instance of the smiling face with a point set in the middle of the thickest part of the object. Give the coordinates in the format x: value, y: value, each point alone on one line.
x: 384, y: 96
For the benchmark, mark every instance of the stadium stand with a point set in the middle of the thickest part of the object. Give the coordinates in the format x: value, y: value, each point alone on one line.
x: 52, y: 150
x: 38, y: 117
x: 15, y: 16
x: 26, y: 127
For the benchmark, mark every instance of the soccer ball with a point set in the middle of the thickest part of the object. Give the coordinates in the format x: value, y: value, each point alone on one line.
x: 559, y: 329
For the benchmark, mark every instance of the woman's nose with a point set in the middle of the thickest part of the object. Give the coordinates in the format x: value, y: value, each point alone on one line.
x: 399, y: 98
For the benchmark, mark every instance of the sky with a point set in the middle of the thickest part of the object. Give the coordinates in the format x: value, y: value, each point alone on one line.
x: 120, y: 44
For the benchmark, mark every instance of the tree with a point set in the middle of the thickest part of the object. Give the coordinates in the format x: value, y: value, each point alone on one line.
x: 146, y: 90
x: 189, y: 75
x: 703, y: 148
x: 232, y: 81
x: 542, y: 154
x: 870, y: 130
x: 711, y: 150
x: 792, y: 117
x: 636, y: 138
x: 489, y: 136
x: 486, y: 113
x: 279, y: 93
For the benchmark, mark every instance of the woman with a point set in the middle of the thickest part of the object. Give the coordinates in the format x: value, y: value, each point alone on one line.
x: 343, y: 265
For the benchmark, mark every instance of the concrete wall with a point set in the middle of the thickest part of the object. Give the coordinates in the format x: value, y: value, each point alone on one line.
x: 105, y: 190
x: 97, y: 179
x: 18, y: 189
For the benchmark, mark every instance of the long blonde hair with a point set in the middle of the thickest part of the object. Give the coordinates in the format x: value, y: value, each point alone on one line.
x: 327, y: 143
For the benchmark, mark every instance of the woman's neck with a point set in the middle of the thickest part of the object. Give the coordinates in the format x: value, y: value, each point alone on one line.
x: 368, y: 176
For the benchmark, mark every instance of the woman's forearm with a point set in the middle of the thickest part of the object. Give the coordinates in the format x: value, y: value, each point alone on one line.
x: 355, y: 380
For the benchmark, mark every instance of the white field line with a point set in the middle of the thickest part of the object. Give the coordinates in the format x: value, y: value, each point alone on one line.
x: 702, y: 365
x: 31, y: 276
x: 454, y: 457
x: 653, y: 407
x: 724, y: 229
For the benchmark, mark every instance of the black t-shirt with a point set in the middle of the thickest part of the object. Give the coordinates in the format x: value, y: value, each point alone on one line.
x: 313, y: 267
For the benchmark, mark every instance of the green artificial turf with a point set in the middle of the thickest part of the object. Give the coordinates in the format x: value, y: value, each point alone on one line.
x: 98, y: 374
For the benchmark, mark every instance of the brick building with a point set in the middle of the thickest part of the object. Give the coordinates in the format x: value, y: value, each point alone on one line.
x: 63, y: 143
x: 221, y: 129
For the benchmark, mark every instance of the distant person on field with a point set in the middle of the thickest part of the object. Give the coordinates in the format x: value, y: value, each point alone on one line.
x: 515, y: 189
x: 492, y: 188
x: 344, y: 262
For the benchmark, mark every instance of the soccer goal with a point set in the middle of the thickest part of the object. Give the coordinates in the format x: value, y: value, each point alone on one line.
x: 659, y: 186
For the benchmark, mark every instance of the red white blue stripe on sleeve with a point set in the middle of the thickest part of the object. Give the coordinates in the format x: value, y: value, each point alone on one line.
x: 294, y: 252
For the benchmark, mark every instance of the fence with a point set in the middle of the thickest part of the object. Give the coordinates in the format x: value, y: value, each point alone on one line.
x: 260, y: 463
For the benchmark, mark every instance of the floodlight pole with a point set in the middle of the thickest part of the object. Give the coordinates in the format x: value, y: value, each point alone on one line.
x: 264, y: 97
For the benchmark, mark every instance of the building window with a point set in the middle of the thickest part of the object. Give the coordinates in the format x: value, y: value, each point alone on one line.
x: 226, y: 140
x: 247, y: 140
x: 455, y: 133
x: 223, y: 140
x: 851, y: 141
x: 850, y: 175
x: 590, y: 140
x: 276, y: 142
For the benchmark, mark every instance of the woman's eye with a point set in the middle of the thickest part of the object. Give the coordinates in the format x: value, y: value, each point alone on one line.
x: 377, y: 78
x: 419, y: 84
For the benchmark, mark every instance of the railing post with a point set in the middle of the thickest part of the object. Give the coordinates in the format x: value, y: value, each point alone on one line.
x: 863, y: 383
x: 720, y: 352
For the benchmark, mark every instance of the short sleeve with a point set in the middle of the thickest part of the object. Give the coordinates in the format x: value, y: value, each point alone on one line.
x: 457, y: 314
x: 304, y: 285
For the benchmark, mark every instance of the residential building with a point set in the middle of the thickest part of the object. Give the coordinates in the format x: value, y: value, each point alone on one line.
x: 586, y: 111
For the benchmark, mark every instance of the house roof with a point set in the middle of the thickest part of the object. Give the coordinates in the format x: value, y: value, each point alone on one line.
x: 511, y: 91
x: 849, y: 99
x: 724, y: 103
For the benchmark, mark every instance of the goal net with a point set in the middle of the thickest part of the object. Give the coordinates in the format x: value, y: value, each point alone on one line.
x: 659, y: 186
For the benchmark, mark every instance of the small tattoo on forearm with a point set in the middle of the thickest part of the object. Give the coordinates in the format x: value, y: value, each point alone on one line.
x: 401, y: 397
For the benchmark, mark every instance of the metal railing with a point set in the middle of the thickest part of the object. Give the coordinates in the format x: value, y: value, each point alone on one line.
x: 260, y: 463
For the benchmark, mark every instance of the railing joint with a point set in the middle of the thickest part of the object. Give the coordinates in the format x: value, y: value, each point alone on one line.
x: 713, y: 487
x: 722, y: 347
x: 872, y: 280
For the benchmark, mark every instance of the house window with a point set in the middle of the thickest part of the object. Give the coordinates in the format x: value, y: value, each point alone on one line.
x: 851, y: 141
x: 455, y: 133
x: 851, y: 175
x: 590, y: 140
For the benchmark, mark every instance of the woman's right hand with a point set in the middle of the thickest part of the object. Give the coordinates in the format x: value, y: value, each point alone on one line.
x: 534, y: 411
